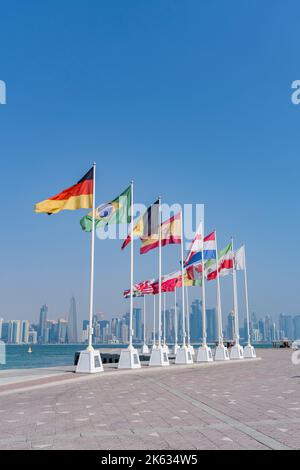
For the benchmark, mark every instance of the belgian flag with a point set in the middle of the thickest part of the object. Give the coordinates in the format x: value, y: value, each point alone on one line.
x: 78, y: 196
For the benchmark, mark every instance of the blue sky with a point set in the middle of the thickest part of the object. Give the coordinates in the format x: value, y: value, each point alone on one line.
x: 189, y: 99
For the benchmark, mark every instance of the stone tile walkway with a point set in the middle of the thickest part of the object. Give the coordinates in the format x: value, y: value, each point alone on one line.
x: 250, y: 405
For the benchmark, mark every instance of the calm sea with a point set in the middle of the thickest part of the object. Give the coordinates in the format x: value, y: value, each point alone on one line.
x: 17, y: 356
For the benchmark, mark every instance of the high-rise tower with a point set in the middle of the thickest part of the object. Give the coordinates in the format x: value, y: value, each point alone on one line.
x: 72, y: 333
x: 42, y: 331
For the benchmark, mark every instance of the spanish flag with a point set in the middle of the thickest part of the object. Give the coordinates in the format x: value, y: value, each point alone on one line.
x: 78, y: 196
x: 170, y: 234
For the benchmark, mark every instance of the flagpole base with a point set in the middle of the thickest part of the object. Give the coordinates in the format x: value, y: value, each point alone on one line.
x: 204, y: 354
x: 249, y: 352
x: 89, y: 362
x: 191, y: 349
x: 237, y: 352
x: 153, y: 347
x: 166, y: 348
x: 175, y: 348
x: 145, y: 349
x: 129, y: 359
x: 184, y: 356
x: 221, y: 353
x: 159, y: 357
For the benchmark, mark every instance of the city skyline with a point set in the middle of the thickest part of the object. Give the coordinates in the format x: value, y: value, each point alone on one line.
x: 49, y: 331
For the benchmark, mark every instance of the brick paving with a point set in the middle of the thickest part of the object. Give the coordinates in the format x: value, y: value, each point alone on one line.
x: 244, y: 405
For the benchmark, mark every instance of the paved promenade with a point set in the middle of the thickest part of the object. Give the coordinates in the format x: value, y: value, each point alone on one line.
x: 237, y: 405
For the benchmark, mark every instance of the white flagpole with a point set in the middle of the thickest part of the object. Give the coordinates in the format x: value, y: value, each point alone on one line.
x: 159, y: 273
x: 204, y: 328
x: 187, y: 316
x: 90, y: 346
x: 247, y: 300
x: 175, y: 319
x: 154, y: 315
x: 182, y: 282
x: 164, y: 318
x: 219, y: 305
x: 131, y: 272
x: 235, y: 299
x: 144, y: 320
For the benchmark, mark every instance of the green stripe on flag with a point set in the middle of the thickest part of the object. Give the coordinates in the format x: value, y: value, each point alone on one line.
x: 114, y: 212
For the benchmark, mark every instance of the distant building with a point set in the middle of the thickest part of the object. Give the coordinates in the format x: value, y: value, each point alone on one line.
x: 211, y: 319
x: 62, y: 330
x: 196, y: 321
x: 15, y: 336
x: 230, y: 330
x: 25, y: 331
x: 42, y: 331
x: 32, y: 337
x: 72, y: 333
x: 137, y: 324
x: 297, y: 326
x: 286, y: 326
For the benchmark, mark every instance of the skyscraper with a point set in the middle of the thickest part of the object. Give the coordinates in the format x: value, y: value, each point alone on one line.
x: 137, y: 324
x: 211, y: 316
x: 72, y: 333
x: 42, y: 330
x: 196, y: 321
x: 230, y: 330
x: 297, y: 326
x: 62, y: 330
x: 24, y: 331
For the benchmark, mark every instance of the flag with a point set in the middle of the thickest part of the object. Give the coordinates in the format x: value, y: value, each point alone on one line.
x: 171, y: 281
x: 114, y: 212
x: 239, y: 259
x: 168, y: 282
x: 78, y: 196
x: 192, y: 277
x: 141, y: 289
x: 146, y: 225
x: 170, y: 234
x: 225, y: 264
x: 195, y: 253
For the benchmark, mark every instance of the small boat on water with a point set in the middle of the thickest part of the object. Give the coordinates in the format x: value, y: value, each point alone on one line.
x: 29, y: 350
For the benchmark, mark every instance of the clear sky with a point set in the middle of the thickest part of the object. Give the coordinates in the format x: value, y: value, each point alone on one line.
x: 191, y: 99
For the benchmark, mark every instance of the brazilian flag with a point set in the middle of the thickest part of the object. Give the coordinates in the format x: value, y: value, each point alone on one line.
x: 114, y: 212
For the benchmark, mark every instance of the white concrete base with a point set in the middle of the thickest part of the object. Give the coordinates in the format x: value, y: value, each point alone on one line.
x: 249, y: 352
x: 237, y: 352
x: 191, y: 349
x: 204, y: 354
x: 221, y: 353
x: 184, y: 356
x: 145, y: 349
x: 89, y: 362
x: 175, y: 348
x: 159, y: 357
x: 166, y: 348
x: 153, y: 347
x: 129, y: 359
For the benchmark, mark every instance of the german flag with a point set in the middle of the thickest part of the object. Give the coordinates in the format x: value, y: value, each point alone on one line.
x: 78, y: 196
